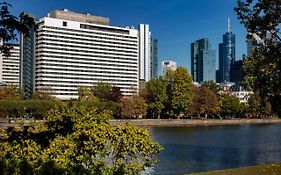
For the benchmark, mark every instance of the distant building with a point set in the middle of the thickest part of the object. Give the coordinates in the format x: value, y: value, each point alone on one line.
x: 74, y: 50
x: 154, y: 61
x: 168, y: 65
x: 241, y: 93
x: 144, y: 52
x: 226, y: 54
x: 226, y: 88
x: 236, y: 72
x: 203, y: 61
x: 218, y: 76
x: 10, y: 66
x: 27, y: 61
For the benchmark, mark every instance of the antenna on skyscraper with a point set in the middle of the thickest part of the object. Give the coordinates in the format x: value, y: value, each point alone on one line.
x: 228, y: 24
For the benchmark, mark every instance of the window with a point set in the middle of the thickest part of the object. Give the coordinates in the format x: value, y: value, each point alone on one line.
x: 64, y: 23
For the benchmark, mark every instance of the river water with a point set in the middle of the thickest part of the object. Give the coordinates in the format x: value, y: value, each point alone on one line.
x: 197, y: 149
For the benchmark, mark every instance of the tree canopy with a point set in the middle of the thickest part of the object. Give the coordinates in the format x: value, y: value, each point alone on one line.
x: 75, y: 139
x: 262, y: 67
x: 10, y: 26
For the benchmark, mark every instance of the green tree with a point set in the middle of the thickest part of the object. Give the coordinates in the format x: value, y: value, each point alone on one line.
x: 181, y: 91
x: 262, y: 20
x: 43, y: 94
x: 156, y: 95
x: 75, y: 139
x: 259, y: 107
x: 10, y: 26
x: 230, y: 105
x: 85, y: 93
x: 102, y: 91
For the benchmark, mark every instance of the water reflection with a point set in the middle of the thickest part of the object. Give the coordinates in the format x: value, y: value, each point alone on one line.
x: 196, y: 149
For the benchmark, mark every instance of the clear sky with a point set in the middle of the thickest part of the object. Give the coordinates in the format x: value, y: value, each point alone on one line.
x: 175, y: 23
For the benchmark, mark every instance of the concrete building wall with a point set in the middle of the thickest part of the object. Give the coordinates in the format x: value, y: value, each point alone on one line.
x: 10, y: 66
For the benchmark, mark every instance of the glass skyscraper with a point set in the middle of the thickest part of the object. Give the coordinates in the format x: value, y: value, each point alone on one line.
x: 203, y: 61
x: 226, y: 55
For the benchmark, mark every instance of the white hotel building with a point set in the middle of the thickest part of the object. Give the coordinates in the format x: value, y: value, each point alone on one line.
x: 10, y: 66
x: 74, y: 50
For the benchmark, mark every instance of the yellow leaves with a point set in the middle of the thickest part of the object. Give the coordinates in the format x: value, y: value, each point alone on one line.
x: 79, y: 137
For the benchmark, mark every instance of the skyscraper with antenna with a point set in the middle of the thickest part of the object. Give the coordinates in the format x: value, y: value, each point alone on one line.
x: 227, y: 54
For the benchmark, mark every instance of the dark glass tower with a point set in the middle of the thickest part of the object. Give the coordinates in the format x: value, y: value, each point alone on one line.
x: 27, y: 61
x: 154, y: 61
x: 203, y: 61
x: 226, y: 54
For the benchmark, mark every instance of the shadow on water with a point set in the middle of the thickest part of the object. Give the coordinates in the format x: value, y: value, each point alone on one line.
x: 197, y: 149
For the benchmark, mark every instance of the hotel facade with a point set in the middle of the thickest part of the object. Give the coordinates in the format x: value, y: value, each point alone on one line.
x: 79, y: 50
x: 10, y: 66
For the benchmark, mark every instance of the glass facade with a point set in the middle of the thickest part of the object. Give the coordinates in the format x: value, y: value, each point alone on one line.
x: 226, y: 55
x: 203, y: 61
x: 154, y: 62
x: 27, y: 62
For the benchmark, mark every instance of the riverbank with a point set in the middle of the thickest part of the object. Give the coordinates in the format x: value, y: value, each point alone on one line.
x: 270, y: 169
x: 174, y: 122
x: 192, y: 122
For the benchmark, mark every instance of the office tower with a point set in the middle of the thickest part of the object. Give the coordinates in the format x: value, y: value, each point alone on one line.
x: 154, y: 62
x: 203, y: 61
x: 220, y: 70
x: 10, y: 65
x: 27, y: 61
x: 74, y: 50
x: 144, y: 53
x: 168, y: 65
x: 226, y: 54
x: 236, y: 72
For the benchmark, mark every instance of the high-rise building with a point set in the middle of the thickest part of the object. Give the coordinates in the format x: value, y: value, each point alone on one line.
x: 203, y: 61
x: 10, y: 66
x: 226, y: 54
x: 154, y: 61
x: 144, y: 53
x: 27, y: 61
x: 74, y: 50
x: 236, y: 72
x: 168, y: 65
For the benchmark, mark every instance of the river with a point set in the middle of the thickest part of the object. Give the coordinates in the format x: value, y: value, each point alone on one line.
x: 197, y: 149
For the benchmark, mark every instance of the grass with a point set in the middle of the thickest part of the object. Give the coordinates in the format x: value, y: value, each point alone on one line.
x: 270, y: 169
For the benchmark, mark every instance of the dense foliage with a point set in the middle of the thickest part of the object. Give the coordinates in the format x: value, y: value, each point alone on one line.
x: 76, y: 139
x: 262, y: 20
x: 10, y: 26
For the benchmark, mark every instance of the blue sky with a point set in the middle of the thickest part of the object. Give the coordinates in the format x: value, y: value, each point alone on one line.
x: 175, y: 23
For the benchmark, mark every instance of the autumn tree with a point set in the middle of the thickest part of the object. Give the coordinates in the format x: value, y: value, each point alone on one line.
x: 208, y: 102
x: 194, y: 109
x: 212, y: 86
x: 133, y: 107
x: 115, y: 94
x: 76, y: 140
x: 11, y: 92
x: 262, y: 20
x: 204, y: 102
